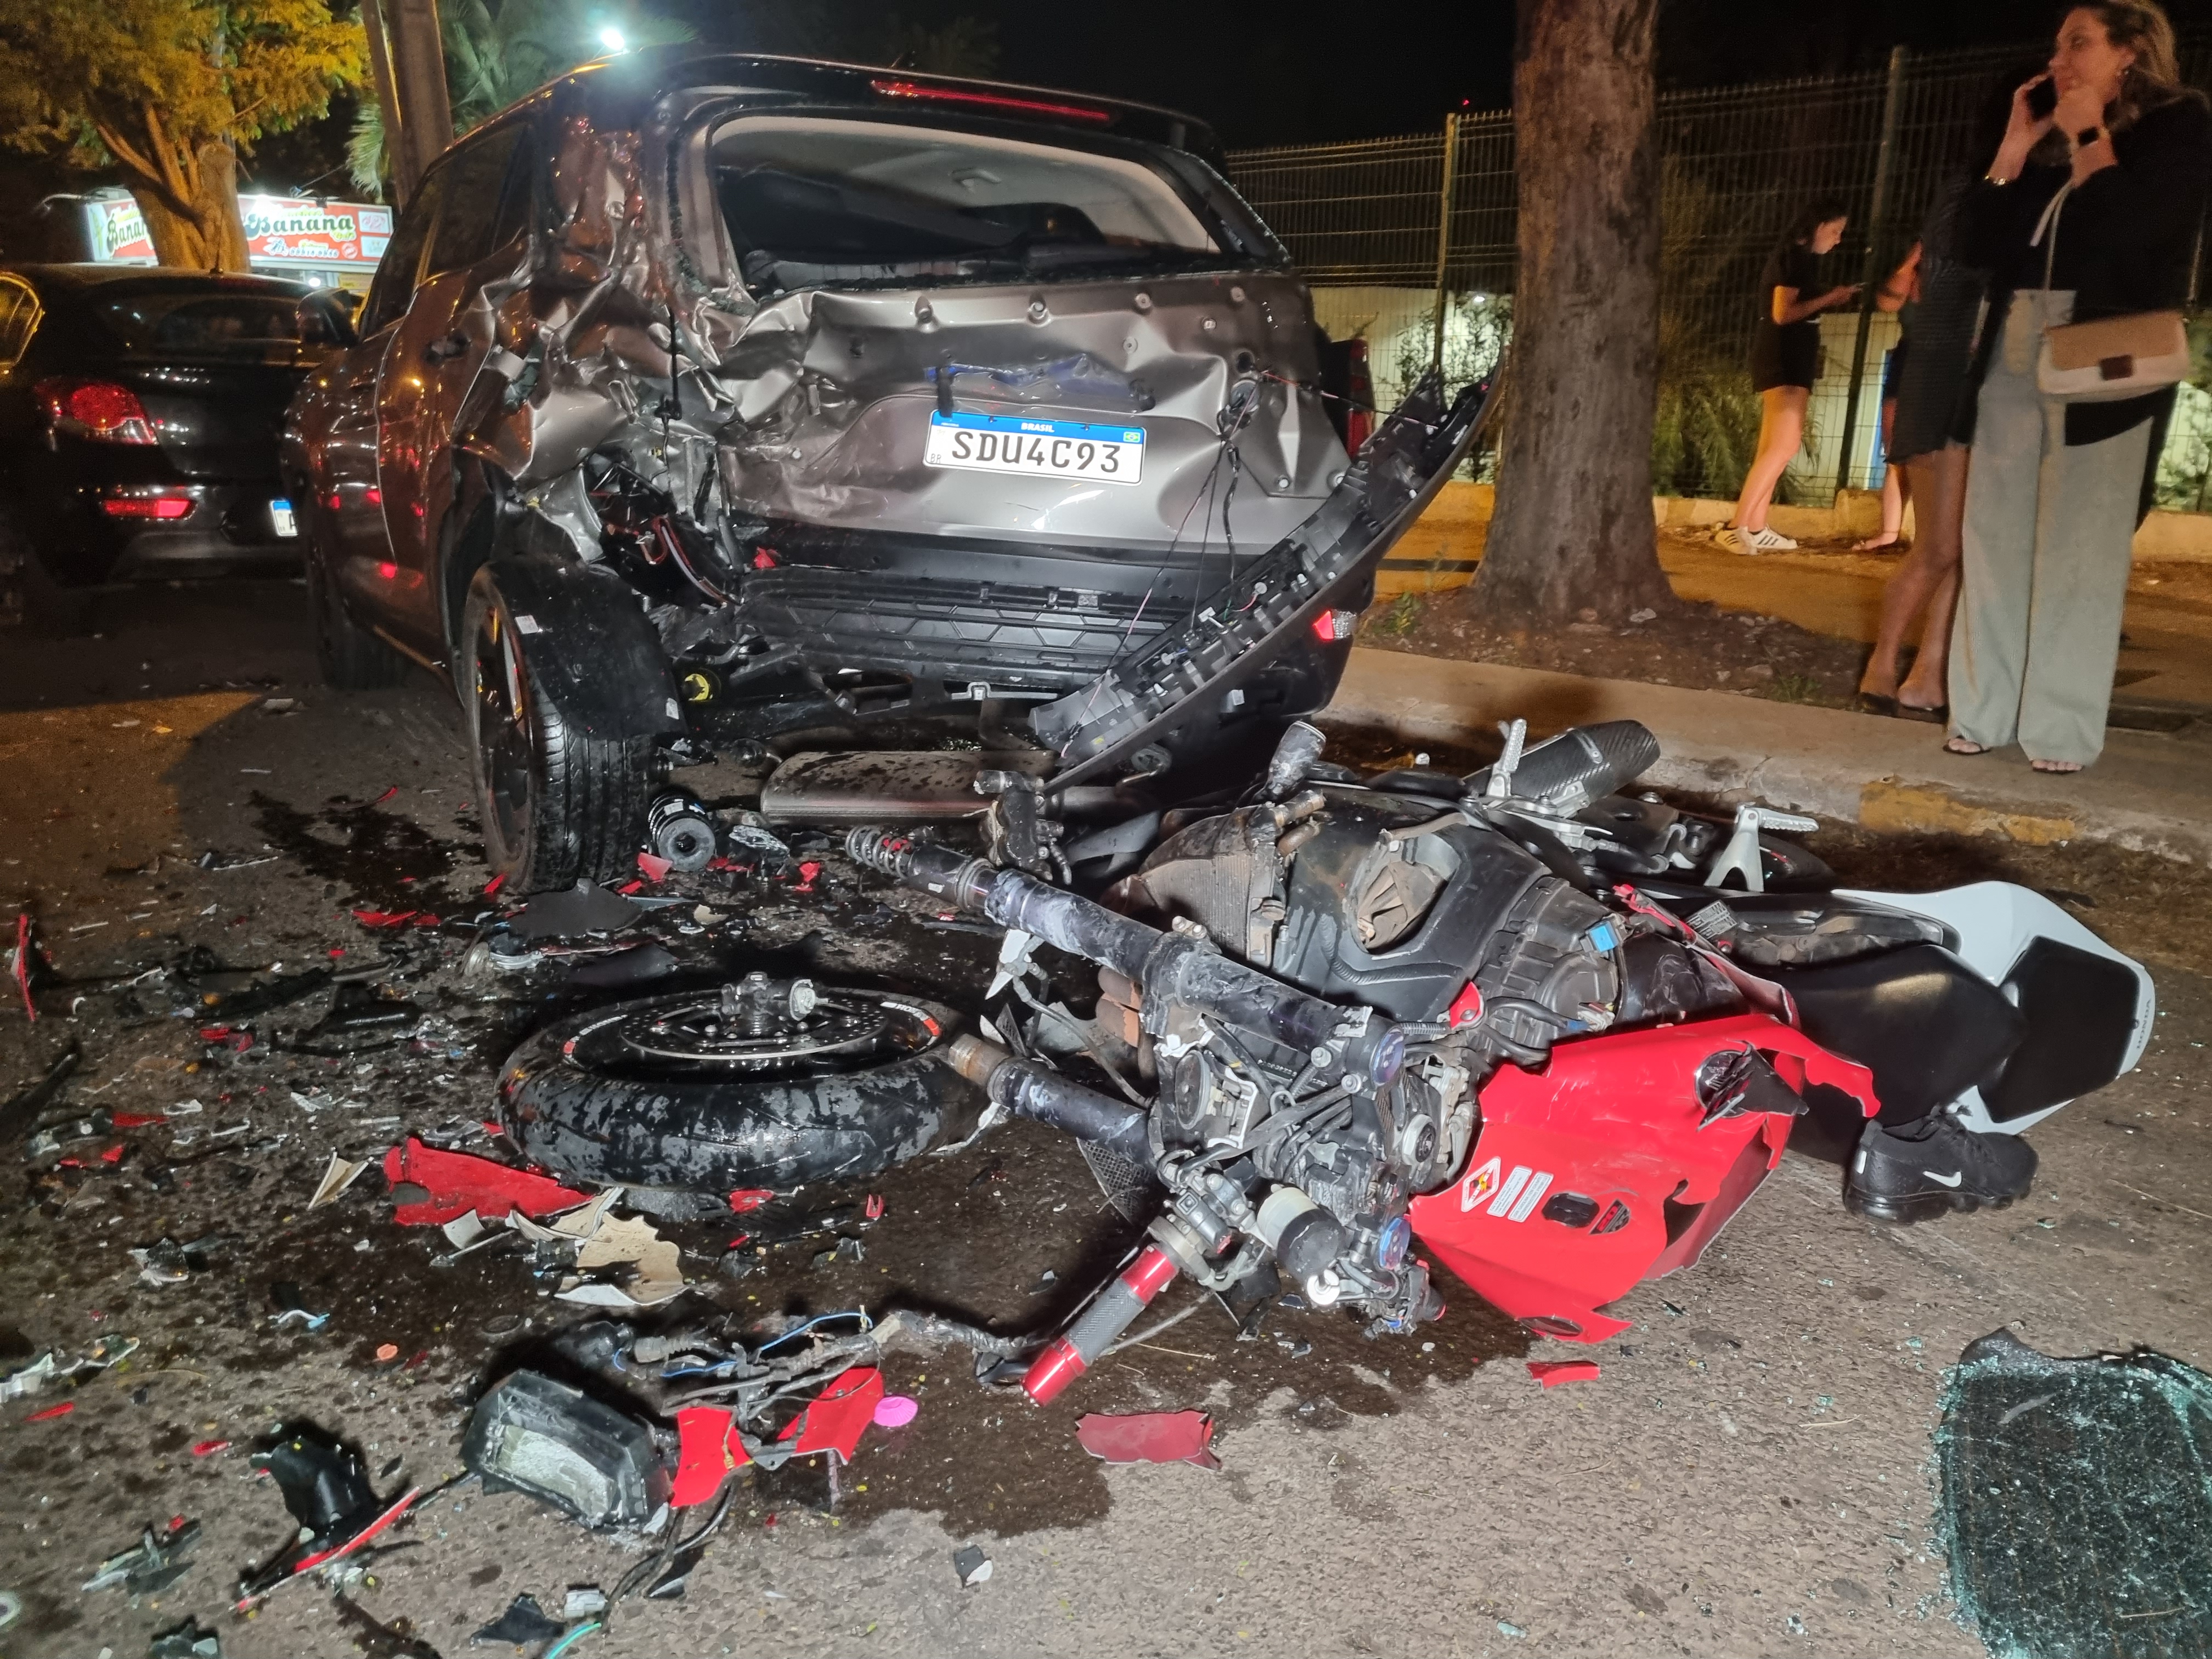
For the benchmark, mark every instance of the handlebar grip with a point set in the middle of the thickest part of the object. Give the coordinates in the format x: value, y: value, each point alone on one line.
x: 1067, y: 1357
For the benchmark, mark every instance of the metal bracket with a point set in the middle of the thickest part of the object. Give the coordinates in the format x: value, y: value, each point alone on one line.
x: 1740, y: 854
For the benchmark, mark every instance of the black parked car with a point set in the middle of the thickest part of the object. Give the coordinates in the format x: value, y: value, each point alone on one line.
x: 140, y: 410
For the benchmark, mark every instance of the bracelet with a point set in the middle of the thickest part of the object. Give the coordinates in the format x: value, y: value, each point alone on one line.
x: 1992, y: 178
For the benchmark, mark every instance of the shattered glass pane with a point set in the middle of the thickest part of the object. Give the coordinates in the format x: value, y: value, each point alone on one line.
x: 2077, y: 1503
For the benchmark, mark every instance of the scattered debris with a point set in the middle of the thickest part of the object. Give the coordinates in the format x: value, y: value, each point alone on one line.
x: 584, y: 1602
x: 157, y: 1560
x: 19, y: 1113
x: 626, y: 1242
x: 327, y: 1491
x: 187, y: 1641
x: 565, y: 1447
x: 292, y: 1308
x: 431, y: 1186
x: 62, y: 1410
x: 339, y: 1175
x: 586, y: 907
x: 1184, y: 1437
x: 1553, y: 1372
x: 523, y: 1623
x: 896, y: 1411
x: 972, y: 1566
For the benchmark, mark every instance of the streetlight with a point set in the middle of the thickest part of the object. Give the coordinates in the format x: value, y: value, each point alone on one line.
x: 611, y: 39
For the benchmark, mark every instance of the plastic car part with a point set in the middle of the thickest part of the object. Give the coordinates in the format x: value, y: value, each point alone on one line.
x: 565, y: 1447
x: 702, y: 1092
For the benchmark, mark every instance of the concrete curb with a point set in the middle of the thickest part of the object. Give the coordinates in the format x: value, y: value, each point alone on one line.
x: 2150, y: 792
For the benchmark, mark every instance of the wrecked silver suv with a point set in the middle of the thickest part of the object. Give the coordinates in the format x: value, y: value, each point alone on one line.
x: 711, y: 403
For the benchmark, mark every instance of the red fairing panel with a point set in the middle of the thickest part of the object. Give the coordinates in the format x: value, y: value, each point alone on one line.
x: 1612, y: 1121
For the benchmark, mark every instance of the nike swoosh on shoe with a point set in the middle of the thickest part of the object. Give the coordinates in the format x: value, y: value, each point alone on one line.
x: 1945, y: 1180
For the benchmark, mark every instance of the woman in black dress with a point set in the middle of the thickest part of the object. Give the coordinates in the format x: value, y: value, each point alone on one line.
x: 1785, y: 360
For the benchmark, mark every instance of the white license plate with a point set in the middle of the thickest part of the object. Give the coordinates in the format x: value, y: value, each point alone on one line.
x: 1046, y: 449
x: 285, y: 521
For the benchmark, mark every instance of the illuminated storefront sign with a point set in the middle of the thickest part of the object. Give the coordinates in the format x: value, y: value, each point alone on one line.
x: 282, y: 233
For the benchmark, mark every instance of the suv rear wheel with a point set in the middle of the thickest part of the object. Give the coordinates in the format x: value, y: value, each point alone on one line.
x: 558, y: 804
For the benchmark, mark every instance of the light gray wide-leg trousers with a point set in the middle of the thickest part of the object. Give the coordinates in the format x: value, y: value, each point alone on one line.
x: 2044, y: 558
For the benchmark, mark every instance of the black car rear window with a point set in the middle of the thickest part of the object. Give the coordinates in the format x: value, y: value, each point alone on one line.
x: 812, y: 200
x: 182, y: 325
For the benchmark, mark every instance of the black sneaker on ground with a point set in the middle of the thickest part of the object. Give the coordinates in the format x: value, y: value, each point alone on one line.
x: 1934, y: 1167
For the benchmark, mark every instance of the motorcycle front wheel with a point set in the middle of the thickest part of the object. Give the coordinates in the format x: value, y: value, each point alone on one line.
x: 753, y: 1085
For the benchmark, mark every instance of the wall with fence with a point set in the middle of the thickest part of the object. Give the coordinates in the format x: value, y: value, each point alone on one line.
x: 1379, y: 225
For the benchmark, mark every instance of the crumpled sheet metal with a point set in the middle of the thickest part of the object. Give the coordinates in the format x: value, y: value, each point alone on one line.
x: 820, y: 399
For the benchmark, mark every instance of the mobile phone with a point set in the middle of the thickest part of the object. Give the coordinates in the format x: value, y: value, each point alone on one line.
x: 2043, y: 98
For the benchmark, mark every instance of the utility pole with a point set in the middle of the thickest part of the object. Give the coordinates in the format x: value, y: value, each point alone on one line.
x: 407, y: 58
x: 1444, y: 237
x: 1884, y: 167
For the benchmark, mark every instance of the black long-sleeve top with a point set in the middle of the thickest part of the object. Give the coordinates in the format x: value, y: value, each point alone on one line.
x: 2126, y: 235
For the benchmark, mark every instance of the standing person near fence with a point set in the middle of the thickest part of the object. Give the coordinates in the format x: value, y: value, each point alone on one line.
x: 2090, y: 211
x: 1935, y: 391
x: 1785, y: 360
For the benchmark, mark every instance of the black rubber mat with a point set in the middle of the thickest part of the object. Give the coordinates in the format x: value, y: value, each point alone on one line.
x: 2078, y: 1501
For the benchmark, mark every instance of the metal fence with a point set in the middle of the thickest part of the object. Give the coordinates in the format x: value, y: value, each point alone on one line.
x: 1371, y: 224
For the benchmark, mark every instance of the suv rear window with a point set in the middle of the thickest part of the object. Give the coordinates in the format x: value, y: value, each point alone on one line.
x: 813, y: 200
x: 225, y: 327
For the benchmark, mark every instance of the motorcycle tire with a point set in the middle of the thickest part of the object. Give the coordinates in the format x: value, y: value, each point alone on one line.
x: 659, y: 1093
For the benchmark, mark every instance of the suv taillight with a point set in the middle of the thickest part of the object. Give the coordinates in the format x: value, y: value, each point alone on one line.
x: 99, y: 409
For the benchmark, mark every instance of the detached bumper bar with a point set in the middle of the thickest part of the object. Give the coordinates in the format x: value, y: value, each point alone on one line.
x: 1246, y: 623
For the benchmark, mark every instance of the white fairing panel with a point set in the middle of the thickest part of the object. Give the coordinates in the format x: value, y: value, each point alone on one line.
x: 1996, y: 922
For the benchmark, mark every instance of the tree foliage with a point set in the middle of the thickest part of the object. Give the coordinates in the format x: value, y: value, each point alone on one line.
x: 170, y: 91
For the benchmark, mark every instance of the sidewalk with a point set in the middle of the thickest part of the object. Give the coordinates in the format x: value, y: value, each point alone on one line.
x: 2152, y: 792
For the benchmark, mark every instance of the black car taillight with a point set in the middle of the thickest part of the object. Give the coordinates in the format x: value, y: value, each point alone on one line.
x: 167, y: 503
x: 99, y: 409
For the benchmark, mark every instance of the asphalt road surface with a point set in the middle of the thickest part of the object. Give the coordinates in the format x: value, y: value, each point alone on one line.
x: 1750, y: 1473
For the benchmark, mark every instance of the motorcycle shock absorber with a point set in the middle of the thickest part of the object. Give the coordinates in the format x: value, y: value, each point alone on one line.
x: 1115, y: 1308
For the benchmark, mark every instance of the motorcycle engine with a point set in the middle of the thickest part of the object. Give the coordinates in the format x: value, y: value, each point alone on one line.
x: 1460, y: 944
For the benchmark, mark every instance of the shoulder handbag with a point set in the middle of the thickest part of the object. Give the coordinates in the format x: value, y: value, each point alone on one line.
x: 2113, y: 357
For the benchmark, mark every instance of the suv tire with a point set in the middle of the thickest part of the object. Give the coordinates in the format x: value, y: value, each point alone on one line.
x: 350, y: 657
x: 558, y: 806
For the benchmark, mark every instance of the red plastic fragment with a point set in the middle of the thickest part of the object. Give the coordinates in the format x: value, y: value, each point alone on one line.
x: 385, y: 918
x: 23, y: 963
x: 495, y: 884
x: 114, y: 1154
x: 630, y: 887
x: 834, y: 1419
x: 1553, y: 1372
x: 707, y: 1450
x: 139, y: 1119
x: 873, y: 1209
x: 209, y: 1448
x: 656, y: 868
x: 62, y: 1410
x: 385, y: 796
x: 808, y: 869
x: 456, y: 1182
x: 749, y: 1198
x: 1183, y: 1437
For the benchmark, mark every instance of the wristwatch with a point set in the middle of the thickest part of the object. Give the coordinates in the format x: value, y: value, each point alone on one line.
x: 2087, y: 136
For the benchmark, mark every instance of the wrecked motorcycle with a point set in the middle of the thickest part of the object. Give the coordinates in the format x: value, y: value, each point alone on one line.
x: 1522, y: 1023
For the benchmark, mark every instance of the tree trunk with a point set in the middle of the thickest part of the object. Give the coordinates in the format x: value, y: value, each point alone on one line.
x: 1573, y: 531
x: 212, y: 235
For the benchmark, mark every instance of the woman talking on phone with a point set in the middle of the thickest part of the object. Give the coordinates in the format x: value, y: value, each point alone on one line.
x: 2087, y: 218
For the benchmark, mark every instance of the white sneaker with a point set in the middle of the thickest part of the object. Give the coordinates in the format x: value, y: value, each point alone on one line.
x: 1769, y: 541
x: 1727, y: 536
